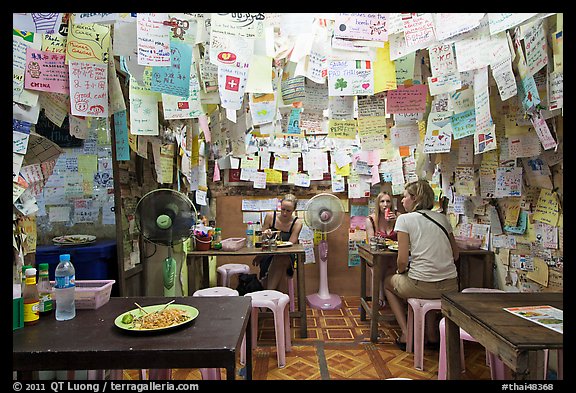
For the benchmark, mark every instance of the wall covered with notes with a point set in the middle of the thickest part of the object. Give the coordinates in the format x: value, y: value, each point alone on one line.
x: 258, y: 104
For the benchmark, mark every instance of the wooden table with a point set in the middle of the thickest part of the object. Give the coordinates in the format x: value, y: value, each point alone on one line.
x: 467, y: 273
x: 91, y: 341
x: 515, y: 340
x: 297, y: 249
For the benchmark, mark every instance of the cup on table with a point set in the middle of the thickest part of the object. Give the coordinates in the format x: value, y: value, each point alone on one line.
x: 374, y: 243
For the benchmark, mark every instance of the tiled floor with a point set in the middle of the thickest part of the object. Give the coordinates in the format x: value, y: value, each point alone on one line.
x: 338, y: 347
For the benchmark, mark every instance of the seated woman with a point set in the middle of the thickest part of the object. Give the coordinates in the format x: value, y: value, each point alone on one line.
x: 378, y: 225
x: 427, y: 236
x: 274, y: 270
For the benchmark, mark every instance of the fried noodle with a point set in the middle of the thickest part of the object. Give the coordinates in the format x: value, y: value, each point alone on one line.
x: 161, y: 319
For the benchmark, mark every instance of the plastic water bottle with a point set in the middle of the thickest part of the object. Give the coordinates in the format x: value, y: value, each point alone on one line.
x: 250, y: 235
x: 64, y: 288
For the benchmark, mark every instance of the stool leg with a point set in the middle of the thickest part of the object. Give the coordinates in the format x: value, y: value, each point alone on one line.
x: 287, y: 331
x: 410, y: 325
x: 442, y: 354
x: 280, y: 337
x: 419, y: 320
x: 210, y: 374
x: 254, y: 327
x: 159, y: 373
x: 117, y: 375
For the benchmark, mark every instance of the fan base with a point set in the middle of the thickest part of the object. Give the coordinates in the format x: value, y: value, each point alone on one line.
x: 333, y: 302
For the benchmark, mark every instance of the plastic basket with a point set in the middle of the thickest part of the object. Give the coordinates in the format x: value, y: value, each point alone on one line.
x: 233, y: 243
x: 92, y: 294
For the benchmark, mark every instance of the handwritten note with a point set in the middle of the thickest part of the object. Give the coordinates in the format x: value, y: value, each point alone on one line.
x: 88, y: 89
x: 407, y: 99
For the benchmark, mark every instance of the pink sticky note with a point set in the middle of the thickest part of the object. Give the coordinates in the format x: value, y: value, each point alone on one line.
x: 216, y: 176
x: 375, y: 175
x: 203, y: 121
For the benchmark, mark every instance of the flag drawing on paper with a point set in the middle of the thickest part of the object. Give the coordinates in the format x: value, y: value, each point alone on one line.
x: 484, y: 140
x: 232, y: 83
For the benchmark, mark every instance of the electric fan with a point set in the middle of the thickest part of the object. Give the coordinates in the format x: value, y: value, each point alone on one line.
x: 324, y: 213
x: 166, y: 217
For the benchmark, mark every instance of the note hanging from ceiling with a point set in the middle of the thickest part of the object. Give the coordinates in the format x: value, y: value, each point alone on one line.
x: 361, y: 26
x: 153, y: 39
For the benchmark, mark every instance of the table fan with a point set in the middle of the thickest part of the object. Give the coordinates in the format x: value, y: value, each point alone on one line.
x: 166, y: 217
x: 324, y: 213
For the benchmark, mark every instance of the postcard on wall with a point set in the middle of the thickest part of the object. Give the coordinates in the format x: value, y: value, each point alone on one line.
x: 350, y: 77
x: 546, y: 316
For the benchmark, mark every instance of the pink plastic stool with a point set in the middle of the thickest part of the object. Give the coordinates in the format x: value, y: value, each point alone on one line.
x: 213, y: 373
x: 277, y: 302
x: 417, y: 309
x: 228, y: 270
x: 496, y: 365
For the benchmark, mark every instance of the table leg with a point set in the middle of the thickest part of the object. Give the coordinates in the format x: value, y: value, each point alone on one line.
x: 453, y: 366
x: 529, y: 366
x: 376, y: 274
x: 362, y: 287
x: 205, y: 271
x: 301, y: 295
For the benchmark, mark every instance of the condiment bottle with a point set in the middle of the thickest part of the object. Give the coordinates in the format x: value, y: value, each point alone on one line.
x: 31, y: 298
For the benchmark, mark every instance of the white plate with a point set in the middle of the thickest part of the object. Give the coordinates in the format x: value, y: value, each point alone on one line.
x: 393, y: 248
x: 73, y: 240
x: 284, y: 244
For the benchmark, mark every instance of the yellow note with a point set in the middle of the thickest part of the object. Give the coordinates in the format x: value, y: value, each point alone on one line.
x: 132, y: 142
x: 87, y: 166
x: 195, y: 151
x: 547, y: 209
x: 384, y: 70
x: 273, y: 176
x: 343, y: 171
x: 343, y: 129
x: 540, y: 273
x: 260, y: 75
x: 87, y: 42
x: 512, y: 212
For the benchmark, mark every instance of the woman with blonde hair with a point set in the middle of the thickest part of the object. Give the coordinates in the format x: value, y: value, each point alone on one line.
x: 426, y: 254
x: 380, y: 224
x: 274, y: 270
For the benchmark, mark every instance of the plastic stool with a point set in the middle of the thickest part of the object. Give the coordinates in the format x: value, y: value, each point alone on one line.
x: 215, y: 291
x: 229, y: 269
x: 417, y: 309
x: 496, y: 365
x: 277, y: 302
x: 213, y: 373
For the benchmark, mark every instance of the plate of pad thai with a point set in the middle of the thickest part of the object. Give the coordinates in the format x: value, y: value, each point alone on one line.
x: 156, y: 317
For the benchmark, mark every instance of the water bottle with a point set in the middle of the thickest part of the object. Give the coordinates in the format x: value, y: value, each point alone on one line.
x: 250, y: 235
x: 65, y: 285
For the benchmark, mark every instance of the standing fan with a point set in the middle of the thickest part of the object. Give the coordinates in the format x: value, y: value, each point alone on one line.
x: 324, y: 213
x: 166, y: 217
